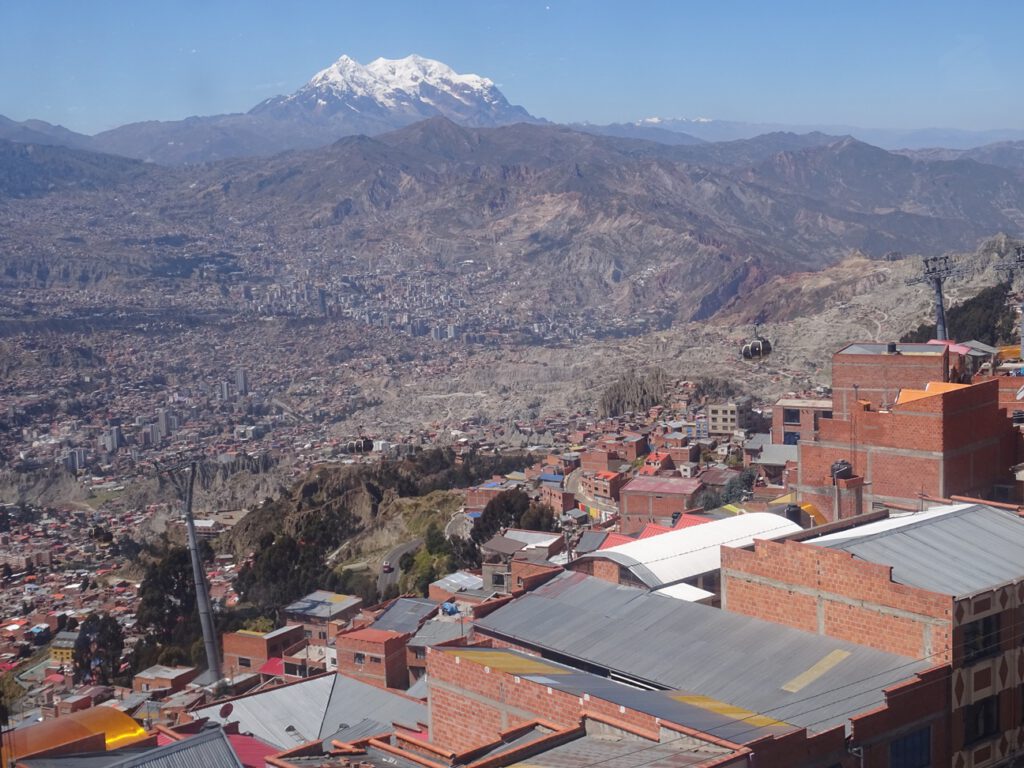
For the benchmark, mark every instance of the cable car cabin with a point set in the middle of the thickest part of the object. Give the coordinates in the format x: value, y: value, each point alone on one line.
x: 757, y: 348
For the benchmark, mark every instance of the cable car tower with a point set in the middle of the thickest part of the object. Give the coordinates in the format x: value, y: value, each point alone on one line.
x: 198, y: 574
x: 935, y: 272
x: 1008, y: 268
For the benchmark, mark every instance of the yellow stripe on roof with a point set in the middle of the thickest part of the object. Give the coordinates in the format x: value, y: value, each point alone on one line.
x: 503, y: 661
x: 728, y: 710
x: 804, y: 679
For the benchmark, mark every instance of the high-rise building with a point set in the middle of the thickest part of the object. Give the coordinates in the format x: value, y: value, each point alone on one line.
x: 242, y: 382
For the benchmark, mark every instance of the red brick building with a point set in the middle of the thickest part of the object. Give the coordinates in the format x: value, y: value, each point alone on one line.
x: 654, y: 499
x: 659, y: 461
x: 247, y: 651
x: 556, y: 497
x: 603, y: 485
x: 167, y: 680
x: 825, y: 704
x: 319, y: 611
x: 941, y: 441
x: 599, y: 460
x: 875, y: 373
x: 375, y: 656
x: 796, y: 418
x: 945, y: 585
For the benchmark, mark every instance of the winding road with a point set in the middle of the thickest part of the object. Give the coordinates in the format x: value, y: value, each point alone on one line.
x: 384, y: 579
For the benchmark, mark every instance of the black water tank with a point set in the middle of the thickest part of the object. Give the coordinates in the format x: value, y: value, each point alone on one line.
x: 794, y: 513
x: 842, y: 470
x: 891, y: 348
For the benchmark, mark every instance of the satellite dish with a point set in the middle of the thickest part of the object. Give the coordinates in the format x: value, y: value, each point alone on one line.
x: 226, y: 710
x: 1020, y: 393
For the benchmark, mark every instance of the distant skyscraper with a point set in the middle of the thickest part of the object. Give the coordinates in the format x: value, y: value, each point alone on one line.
x: 163, y: 422
x: 242, y: 382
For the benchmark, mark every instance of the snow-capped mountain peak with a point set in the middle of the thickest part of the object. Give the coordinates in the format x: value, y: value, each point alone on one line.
x: 398, y: 91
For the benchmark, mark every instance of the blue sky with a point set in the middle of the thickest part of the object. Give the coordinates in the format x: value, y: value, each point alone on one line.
x: 97, y: 64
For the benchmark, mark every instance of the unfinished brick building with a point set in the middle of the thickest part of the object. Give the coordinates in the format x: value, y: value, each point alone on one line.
x: 938, y: 439
x: 946, y: 585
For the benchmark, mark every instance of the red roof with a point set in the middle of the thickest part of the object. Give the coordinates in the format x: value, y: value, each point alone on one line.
x: 251, y: 751
x: 273, y: 666
x: 614, y: 539
x: 686, y: 521
x: 371, y: 635
x: 651, y: 529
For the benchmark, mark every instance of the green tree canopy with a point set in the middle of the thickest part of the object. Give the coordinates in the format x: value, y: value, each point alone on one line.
x: 97, y: 653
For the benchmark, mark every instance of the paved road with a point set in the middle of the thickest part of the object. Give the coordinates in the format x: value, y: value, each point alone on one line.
x: 384, y: 579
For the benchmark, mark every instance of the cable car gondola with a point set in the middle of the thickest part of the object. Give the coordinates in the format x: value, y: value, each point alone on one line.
x: 757, y: 348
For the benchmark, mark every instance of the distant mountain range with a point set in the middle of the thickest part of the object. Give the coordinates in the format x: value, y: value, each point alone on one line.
x: 348, y: 98
x: 344, y: 99
x: 560, y: 217
x: 917, y: 138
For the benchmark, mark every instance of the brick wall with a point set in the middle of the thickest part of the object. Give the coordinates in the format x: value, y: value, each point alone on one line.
x: 955, y: 443
x: 638, y: 508
x: 879, y: 378
x: 827, y: 591
x: 255, y: 648
x: 471, y: 704
x: 527, y: 575
x: 381, y: 662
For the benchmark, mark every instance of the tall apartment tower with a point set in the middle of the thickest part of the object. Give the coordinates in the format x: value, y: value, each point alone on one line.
x: 241, y: 382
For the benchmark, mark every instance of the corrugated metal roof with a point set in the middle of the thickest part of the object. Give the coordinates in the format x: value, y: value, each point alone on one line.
x: 322, y: 604
x: 438, y: 631
x: 312, y: 709
x: 686, y: 552
x: 683, y: 486
x: 459, y: 580
x: 701, y: 650
x: 590, y: 541
x: 405, y: 614
x: 953, y: 550
x: 619, y: 753
x: 209, y: 749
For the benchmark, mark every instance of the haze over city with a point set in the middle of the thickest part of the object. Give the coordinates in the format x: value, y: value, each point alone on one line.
x: 511, y: 385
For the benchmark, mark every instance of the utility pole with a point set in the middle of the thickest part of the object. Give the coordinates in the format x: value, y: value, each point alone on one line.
x: 935, y: 271
x: 1008, y: 268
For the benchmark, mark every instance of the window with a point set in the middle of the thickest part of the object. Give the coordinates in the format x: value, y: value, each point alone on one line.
x: 981, y: 639
x: 322, y: 635
x: 826, y: 414
x: 375, y: 659
x: 244, y: 662
x: 498, y: 579
x: 360, y: 658
x: 790, y: 438
x: 419, y: 653
x: 981, y: 720
x: 790, y: 415
x: 913, y: 750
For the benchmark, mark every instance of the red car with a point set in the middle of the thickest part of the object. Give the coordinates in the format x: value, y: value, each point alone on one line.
x: 387, y: 567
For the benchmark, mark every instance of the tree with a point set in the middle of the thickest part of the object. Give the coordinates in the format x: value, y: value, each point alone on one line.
x: 503, y: 511
x: 435, y: 541
x: 97, y: 654
x: 167, y: 599
x: 538, y: 517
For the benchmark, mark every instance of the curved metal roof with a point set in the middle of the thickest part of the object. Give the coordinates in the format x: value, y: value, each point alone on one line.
x: 681, y: 554
x: 118, y: 729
